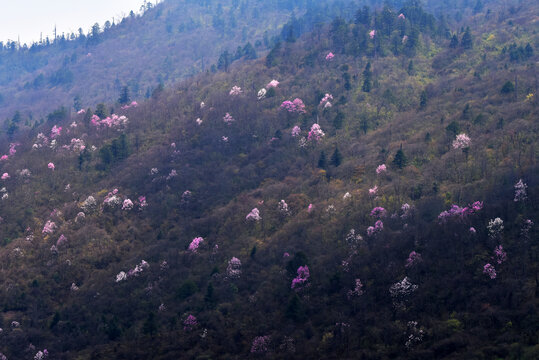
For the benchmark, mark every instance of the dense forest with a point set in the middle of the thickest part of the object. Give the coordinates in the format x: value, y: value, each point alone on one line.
x: 365, y: 188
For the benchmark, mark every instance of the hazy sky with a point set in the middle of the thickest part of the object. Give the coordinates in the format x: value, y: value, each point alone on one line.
x: 28, y: 18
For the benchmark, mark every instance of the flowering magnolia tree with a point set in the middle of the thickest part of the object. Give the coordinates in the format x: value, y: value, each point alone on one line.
x: 228, y: 119
x: 272, y: 84
x: 357, y: 291
x: 296, y: 106
x: 457, y: 212
x: 462, y: 141
x: 254, y: 215
x: 195, y: 244
x: 400, y: 292
x: 377, y: 228
x: 190, y: 323
x: 233, y: 269
x: 490, y: 271
x: 301, y: 280
x: 260, y: 344
x: 236, y: 90
x: 520, y: 191
x: 316, y: 133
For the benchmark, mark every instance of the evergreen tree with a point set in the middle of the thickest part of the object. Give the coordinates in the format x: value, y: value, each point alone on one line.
x: 508, y: 87
x: 249, y: 51
x: 410, y: 69
x: 423, y: 98
x: 367, y: 78
x: 224, y: 61
x: 322, y: 162
x: 124, y: 96
x: 77, y: 104
x: 338, y: 120
x: 150, y: 327
x: 467, y: 40
x: 454, y: 43
x: 336, y: 158
x: 101, y: 111
x: 400, y: 160
x: 209, y: 298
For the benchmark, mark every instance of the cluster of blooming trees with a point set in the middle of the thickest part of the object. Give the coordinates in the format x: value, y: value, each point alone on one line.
x: 457, y: 212
x: 136, y: 271
x: 296, y: 106
x: 113, y: 121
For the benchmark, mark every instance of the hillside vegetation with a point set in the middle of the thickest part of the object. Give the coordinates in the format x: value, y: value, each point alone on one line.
x: 368, y: 190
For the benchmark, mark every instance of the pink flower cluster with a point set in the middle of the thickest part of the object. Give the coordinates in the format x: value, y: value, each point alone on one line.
x: 61, y: 240
x: 260, y: 344
x: 190, y: 323
x: 459, y: 212
x: 138, y: 269
x: 372, y: 33
x: 500, y: 255
x: 12, y: 148
x: 373, y: 191
x: 41, y: 355
x: 81, y: 111
x: 110, y: 121
x: 462, y: 141
x: 296, y: 106
x: 228, y: 119
x: 51, y: 166
x: 49, y: 227
x: 142, y: 202
x: 401, y: 16
x: 413, y: 259
x: 520, y: 191
x: 381, y: 169
x: 326, y: 100
x: 56, y: 131
x: 5, y: 176
x: 490, y: 271
x: 236, y: 90
x: 300, y: 281
x: 77, y: 145
x: 330, y: 56
x: 296, y: 131
x: 316, y: 133
x: 233, y: 269
x: 272, y: 84
x: 133, y: 104
x: 373, y: 230
x: 358, y: 289
x: 254, y: 215
x: 195, y: 244
x: 378, y: 212
x: 127, y: 204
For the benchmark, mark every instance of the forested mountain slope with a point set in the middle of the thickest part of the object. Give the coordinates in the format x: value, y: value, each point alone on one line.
x: 368, y: 190
x: 161, y: 45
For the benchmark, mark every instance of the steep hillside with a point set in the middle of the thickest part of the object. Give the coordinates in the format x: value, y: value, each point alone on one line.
x: 369, y: 190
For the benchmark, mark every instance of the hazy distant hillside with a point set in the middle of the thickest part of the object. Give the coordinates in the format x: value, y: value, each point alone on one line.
x: 173, y: 40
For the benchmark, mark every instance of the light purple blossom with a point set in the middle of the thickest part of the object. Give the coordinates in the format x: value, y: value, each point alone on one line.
x: 300, y: 281
x: 490, y: 271
x: 195, y: 244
